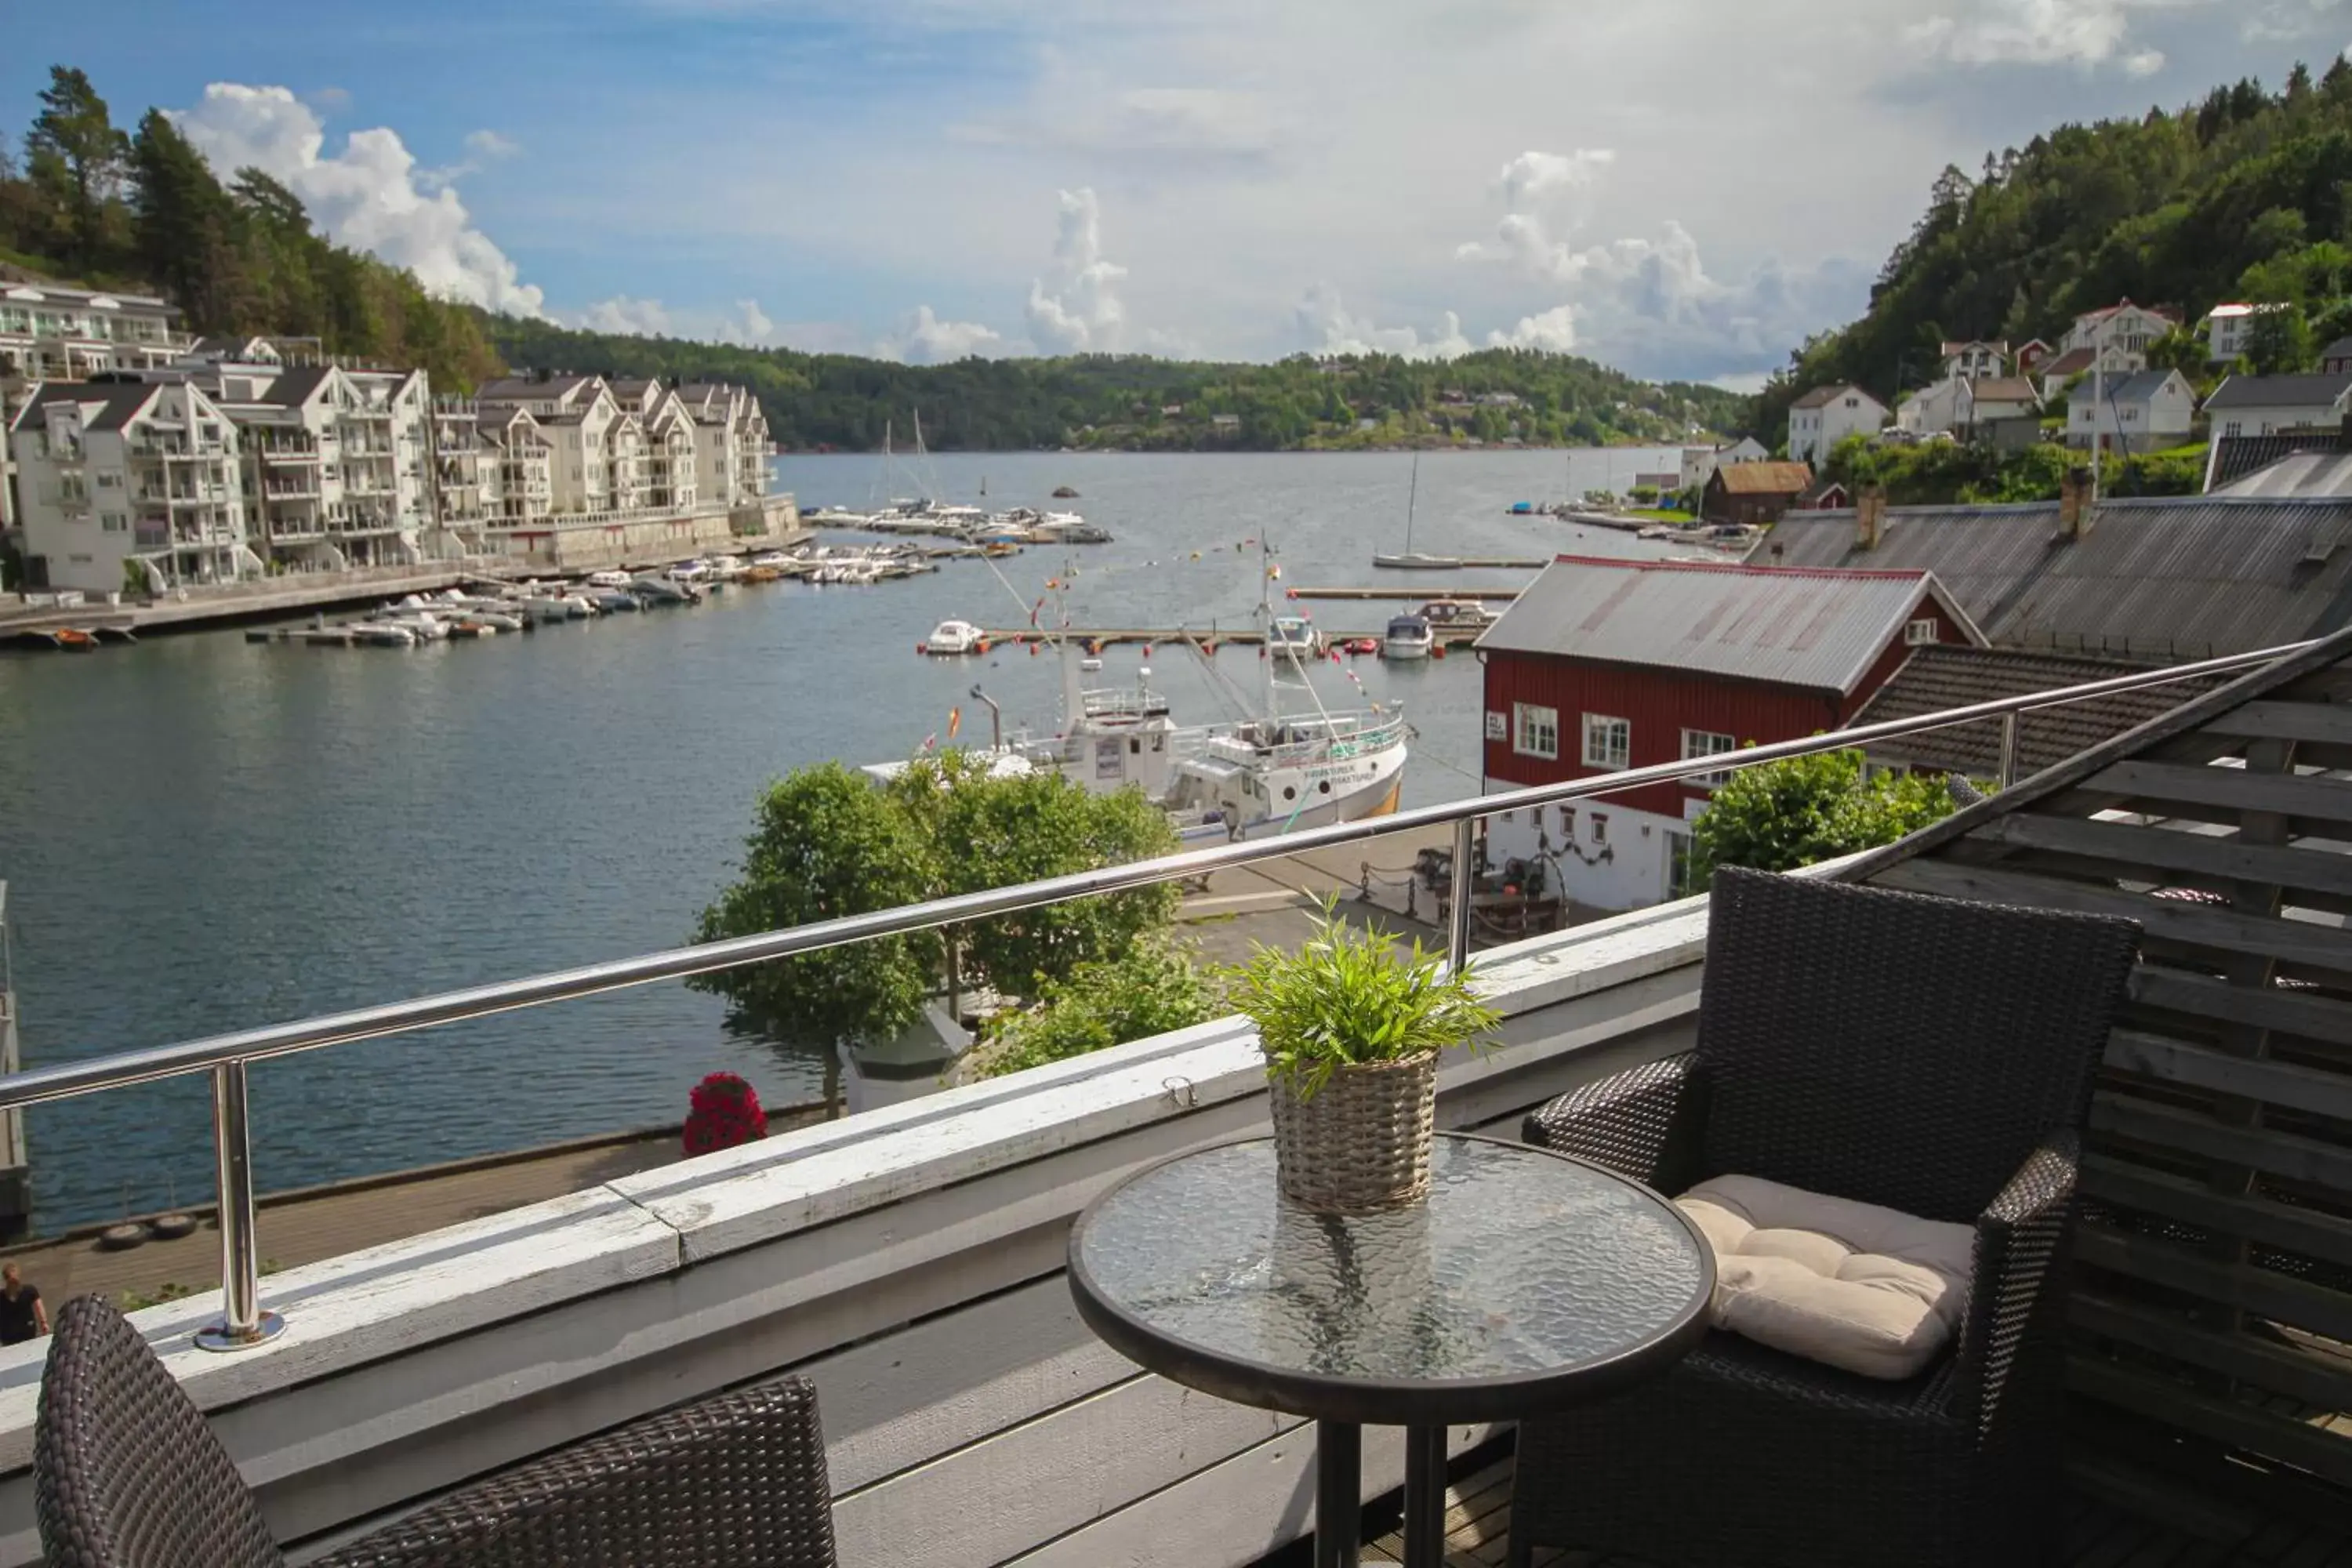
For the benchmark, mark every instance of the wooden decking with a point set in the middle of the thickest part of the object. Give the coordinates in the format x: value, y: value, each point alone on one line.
x: 1477, y: 1519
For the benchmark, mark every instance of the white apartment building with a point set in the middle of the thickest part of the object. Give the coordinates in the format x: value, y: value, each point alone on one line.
x: 51, y: 333
x: 467, y: 473
x: 731, y: 448
x: 1826, y: 416
x: 575, y: 415
x: 666, y: 463
x: 129, y: 486
x: 338, y: 463
x: 525, y: 464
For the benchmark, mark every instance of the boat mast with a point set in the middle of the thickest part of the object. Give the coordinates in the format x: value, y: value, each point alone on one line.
x: 1412, y: 496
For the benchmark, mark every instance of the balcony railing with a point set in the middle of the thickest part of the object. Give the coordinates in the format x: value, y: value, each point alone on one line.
x: 226, y: 1057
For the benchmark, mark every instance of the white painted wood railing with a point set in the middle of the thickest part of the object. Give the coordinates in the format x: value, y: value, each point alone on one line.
x: 909, y: 1260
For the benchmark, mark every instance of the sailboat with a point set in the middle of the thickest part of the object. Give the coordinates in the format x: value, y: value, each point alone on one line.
x: 1408, y: 561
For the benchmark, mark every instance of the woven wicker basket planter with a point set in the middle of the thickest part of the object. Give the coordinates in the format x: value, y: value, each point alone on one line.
x: 1361, y: 1143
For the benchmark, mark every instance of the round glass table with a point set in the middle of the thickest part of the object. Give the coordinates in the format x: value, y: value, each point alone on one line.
x: 1526, y: 1282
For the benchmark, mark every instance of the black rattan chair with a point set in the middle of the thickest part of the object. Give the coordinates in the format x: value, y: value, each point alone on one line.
x: 1932, y: 1055
x: 126, y: 1474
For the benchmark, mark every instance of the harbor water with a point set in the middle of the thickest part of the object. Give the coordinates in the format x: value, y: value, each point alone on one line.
x: 200, y: 833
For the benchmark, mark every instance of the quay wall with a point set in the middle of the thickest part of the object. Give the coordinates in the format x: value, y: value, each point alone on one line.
x: 593, y: 545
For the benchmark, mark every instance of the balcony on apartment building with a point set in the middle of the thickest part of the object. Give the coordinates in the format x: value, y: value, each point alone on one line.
x: 285, y: 451
x: 2187, y: 1366
x: 307, y: 486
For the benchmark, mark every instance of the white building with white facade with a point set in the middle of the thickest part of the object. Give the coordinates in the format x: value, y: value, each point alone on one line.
x: 51, y: 332
x: 129, y: 486
x: 1826, y: 416
x: 1974, y: 358
x: 2142, y: 413
x: 2229, y: 329
x: 339, y: 464
x: 2271, y: 405
x: 2124, y: 329
x: 1699, y: 463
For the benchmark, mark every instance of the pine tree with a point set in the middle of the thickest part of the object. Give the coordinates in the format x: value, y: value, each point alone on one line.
x: 187, y: 232
x: 75, y: 149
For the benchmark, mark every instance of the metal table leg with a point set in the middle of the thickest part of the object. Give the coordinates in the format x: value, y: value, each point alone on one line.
x: 1424, y: 1497
x: 1338, y: 1493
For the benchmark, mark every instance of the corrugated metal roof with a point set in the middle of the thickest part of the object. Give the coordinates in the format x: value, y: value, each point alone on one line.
x: 1816, y: 629
x: 2301, y: 474
x: 1765, y: 479
x: 2155, y: 578
x: 1940, y: 676
x: 2235, y: 457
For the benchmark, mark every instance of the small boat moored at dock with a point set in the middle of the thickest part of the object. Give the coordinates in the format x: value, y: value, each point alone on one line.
x: 1458, y: 614
x: 950, y: 637
x: 1409, y: 637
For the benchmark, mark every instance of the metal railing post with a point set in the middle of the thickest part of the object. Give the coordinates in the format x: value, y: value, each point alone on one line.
x: 2008, y: 749
x: 1457, y: 918
x: 243, y: 1322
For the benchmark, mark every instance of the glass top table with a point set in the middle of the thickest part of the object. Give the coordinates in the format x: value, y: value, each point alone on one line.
x: 1526, y: 1281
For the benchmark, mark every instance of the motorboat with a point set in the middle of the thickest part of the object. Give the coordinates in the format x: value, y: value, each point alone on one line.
x: 773, y: 561
x: 1458, y: 613
x: 382, y: 634
x: 689, y: 572
x: 652, y: 591
x: 499, y: 617
x: 1294, y: 635
x: 724, y: 568
x: 614, y: 579
x: 952, y: 638
x: 1409, y: 636
x: 613, y: 601
x: 426, y: 625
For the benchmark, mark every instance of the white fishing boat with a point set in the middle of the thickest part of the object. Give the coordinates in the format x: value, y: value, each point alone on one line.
x: 951, y: 638
x: 1409, y: 637
x: 1409, y: 559
x: 1264, y: 774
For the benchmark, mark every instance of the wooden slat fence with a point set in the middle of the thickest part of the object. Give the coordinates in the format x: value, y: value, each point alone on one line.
x: 2213, y: 1287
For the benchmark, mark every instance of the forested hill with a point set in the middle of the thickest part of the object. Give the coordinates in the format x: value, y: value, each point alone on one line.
x: 1139, y: 403
x: 139, y: 210
x: 2241, y: 197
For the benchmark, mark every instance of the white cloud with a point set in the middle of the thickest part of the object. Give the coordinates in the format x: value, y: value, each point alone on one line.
x: 1324, y: 327
x: 488, y: 143
x: 2042, y: 33
x: 370, y: 195
x: 1531, y: 175
x: 1554, y: 331
x: 1082, y: 313
x: 642, y: 317
x: 924, y: 339
x: 749, y: 325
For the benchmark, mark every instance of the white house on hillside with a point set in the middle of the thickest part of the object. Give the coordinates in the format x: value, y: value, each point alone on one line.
x: 1699, y: 463
x: 2229, y: 329
x: 2268, y: 405
x: 1826, y: 416
x: 1974, y: 358
x: 2142, y: 413
x: 2124, y: 327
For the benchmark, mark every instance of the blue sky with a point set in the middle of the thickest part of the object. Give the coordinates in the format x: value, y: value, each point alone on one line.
x: 1680, y: 187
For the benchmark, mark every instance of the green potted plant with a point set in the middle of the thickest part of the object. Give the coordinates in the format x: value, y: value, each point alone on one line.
x: 1351, y: 1032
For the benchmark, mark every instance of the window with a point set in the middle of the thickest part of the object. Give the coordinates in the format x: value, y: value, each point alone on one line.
x: 1600, y: 827
x: 1708, y: 743
x: 113, y: 521
x: 1535, y: 731
x: 107, y: 481
x: 1922, y: 630
x: 2232, y: 428
x: 1678, y: 865
x: 1608, y: 743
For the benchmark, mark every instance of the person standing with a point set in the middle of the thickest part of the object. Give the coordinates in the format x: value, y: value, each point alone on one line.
x: 23, y: 1316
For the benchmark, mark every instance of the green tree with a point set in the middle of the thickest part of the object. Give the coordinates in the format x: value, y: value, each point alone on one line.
x: 187, y: 232
x: 1150, y: 990
x: 827, y: 843
x: 2278, y: 340
x: 74, y: 146
x: 1778, y: 816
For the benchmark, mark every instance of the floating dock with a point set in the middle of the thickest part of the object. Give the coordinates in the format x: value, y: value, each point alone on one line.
x: 1423, y: 593
x: 1463, y: 563
x: 1179, y: 637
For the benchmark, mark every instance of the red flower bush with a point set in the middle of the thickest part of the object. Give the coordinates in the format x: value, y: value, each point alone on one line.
x: 726, y: 1111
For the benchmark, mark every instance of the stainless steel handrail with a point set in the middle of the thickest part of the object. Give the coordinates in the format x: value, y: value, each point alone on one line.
x: 225, y: 1055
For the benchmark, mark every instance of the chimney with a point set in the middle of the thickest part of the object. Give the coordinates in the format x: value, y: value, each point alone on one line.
x: 1869, y: 517
x: 2075, y: 503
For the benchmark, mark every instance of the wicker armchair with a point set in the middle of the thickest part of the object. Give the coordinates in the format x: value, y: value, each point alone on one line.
x: 1929, y: 1054
x: 126, y: 1474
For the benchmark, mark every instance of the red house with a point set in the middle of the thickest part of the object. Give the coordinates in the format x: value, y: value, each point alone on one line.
x: 1605, y: 665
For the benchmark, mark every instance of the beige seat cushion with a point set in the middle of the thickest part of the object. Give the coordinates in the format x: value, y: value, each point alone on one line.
x: 1851, y: 1285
